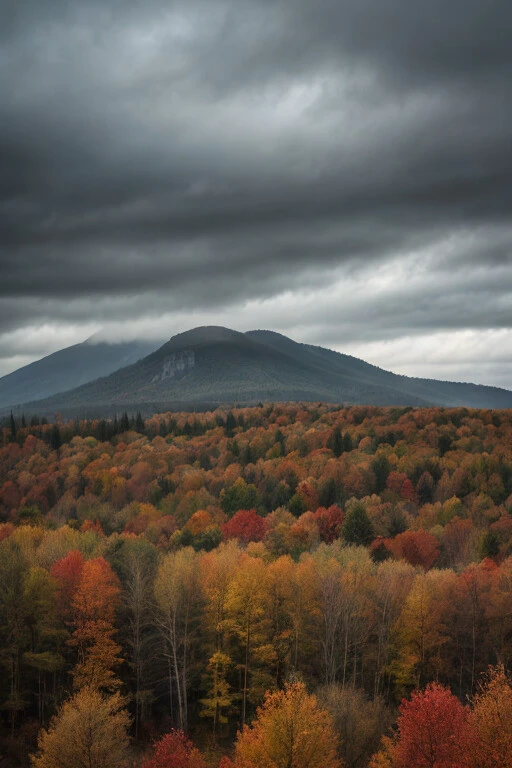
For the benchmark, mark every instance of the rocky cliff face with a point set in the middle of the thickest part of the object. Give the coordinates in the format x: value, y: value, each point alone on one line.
x: 175, y: 364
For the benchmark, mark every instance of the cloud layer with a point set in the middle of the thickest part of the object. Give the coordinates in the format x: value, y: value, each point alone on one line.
x: 338, y: 170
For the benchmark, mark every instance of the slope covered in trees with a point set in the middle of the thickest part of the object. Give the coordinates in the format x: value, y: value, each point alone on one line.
x: 69, y: 368
x: 208, y: 366
x: 196, y: 572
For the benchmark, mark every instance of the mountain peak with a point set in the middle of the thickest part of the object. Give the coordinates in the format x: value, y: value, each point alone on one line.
x: 205, y: 334
x: 209, y: 365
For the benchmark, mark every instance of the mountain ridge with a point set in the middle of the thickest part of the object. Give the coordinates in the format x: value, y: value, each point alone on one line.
x: 69, y: 368
x: 216, y: 365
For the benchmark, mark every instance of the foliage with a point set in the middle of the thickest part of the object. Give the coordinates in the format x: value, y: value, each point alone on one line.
x: 89, y: 731
x: 174, y: 749
x: 290, y: 731
x: 357, y: 527
x: 430, y: 725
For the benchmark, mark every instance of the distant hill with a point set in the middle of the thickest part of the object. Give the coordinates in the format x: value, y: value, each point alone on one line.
x: 211, y: 365
x: 69, y: 368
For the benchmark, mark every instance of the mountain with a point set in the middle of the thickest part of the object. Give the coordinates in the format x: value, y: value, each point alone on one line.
x: 211, y: 365
x: 69, y: 368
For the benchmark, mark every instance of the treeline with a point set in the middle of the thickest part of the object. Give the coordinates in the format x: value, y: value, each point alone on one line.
x: 447, y: 473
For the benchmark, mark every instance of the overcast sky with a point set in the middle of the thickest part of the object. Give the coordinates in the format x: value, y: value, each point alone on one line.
x: 337, y: 170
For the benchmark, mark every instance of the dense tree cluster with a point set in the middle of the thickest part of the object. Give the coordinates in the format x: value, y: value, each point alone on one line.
x: 194, y: 574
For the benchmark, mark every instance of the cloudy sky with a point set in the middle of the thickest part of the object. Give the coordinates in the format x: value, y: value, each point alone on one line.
x: 337, y: 170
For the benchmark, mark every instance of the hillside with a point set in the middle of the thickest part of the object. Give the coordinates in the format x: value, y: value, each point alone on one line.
x: 213, y: 365
x: 181, y: 518
x: 69, y: 368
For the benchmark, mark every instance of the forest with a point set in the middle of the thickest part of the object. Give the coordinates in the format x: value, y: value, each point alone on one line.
x: 284, y: 586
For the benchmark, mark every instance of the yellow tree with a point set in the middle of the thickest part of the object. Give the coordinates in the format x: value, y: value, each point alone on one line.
x: 278, y: 610
x: 217, y: 571
x: 490, y: 722
x: 218, y: 697
x: 421, y: 631
x: 177, y: 595
x: 290, y: 731
x: 305, y: 608
x: 89, y: 731
x: 245, y: 607
x: 393, y: 582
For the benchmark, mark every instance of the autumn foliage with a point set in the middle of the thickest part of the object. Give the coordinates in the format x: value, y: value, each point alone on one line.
x: 245, y: 526
x: 198, y: 563
x: 90, y: 730
x: 174, y: 749
x: 431, y: 727
x: 290, y: 730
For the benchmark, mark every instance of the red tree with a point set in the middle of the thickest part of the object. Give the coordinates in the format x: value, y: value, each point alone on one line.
x: 329, y: 522
x: 417, y: 547
x: 68, y: 572
x: 431, y: 727
x: 174, y: 749
x: 245, y: 525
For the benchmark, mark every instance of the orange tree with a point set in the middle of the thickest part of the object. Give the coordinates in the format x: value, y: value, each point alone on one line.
x: 290, y: 731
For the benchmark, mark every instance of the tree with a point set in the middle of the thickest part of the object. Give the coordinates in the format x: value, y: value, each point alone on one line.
x: 431, y: 727
x: 358, y: 721
x: 421, y: 631
x: 329, y: 522
x: 89, y: 731
x: 246, y: 526
x: 136, y: 563
x: 68, y: 572
x: 55, y: 438
x: 490, y: 738
x: 245, y: 611
x: 357, y: 527
x: 238, y: 496
x: 290, y: 731
x: 174, y: 749
x: 94, y: 607
x: 218, y: 697
x: 417, y: 547
x: 490, y: 546
x: 14, y: 632
x: 335, y: 442
x: 176, y: 594
x: 230, y: 424
x: 425, y: 488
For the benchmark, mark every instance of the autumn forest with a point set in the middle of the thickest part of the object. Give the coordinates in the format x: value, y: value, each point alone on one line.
x: 284, y: 586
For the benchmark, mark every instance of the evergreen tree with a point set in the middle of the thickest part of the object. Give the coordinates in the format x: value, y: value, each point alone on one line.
x: 139, y: 423
x: 230, y: 424
x: 13, y: 427
x: 102, y: 431
x: 280, y: 438
x: 335, y: 442
x: 380, y: 467
x: 55, y: 438
x: 490, y: 546
x: 357, y: 527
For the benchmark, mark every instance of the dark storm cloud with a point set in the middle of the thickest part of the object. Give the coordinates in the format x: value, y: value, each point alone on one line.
x: 162, y: 156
